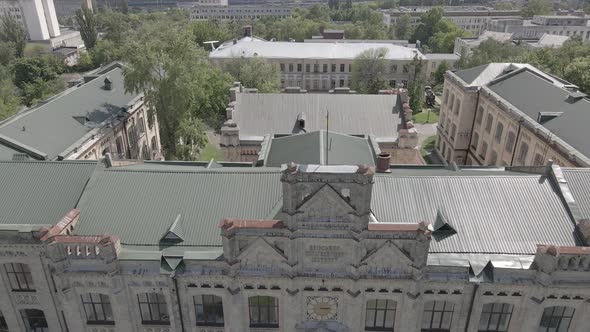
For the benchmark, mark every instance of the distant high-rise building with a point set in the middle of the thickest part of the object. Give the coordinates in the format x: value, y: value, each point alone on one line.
x: 38, y: 16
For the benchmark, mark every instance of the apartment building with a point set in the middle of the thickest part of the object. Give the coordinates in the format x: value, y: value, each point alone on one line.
x: 85, y: 122
x: 237, y: 12
x: 469, y: 18
x: 323, y: 66
x: 508, y: 114
x: 295, y: 249
x: 570, y: 26
x: 13, y: 9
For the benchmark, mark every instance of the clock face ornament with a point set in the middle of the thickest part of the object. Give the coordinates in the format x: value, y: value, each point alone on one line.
x: 322, y: 308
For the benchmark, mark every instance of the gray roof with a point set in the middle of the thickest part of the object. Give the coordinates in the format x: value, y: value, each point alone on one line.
x: 250, y: 47
x: 531, y: 94
x: 56, y: 125
x: 258, y: 114
x: 578, y: 181
x: 442, y: 56
x: 492, y: 211
x: 40, y: 193
x: 141, y: 205
x: 499, y: 213
x: 310, y: 148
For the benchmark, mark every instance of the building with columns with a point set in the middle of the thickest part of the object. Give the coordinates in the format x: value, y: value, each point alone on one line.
x: 174, y: 246
x: 511, y: 114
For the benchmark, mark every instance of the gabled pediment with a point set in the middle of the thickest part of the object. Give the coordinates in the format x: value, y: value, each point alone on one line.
x: 326, y: 201
x: 261, y: 252
x: 389, y: 255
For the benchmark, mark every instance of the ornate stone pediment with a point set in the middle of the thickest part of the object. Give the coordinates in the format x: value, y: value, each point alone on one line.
x: 261, y: 257
x: 324, y: 205
x: 388, y: 260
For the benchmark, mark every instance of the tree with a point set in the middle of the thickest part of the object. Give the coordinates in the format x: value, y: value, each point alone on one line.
x: 31, y: 70
x: 210, y: 30
x: 439, y: 74
x: 428, y: 21
x: 578, y: 72
x: 537, y: 7
x: 9, y: 101
x: 416, y: 95
x: 334, y: 4
x: 7, y: 53
x: 402, y: 27
x: 87, y: 22
x: 255, y: 73
x: 368, y: 69
x: 177, y: 80
x: 14, y: 33
x: 504, y: 6
x: 443, y: 40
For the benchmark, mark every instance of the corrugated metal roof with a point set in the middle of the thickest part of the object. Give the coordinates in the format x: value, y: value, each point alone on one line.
x: 491, y: 214
x: 578, y: 180
x: 40, y: 192
x: 258, y: 114
x: 310, y: 148
x: 296, y: 50
x: 140, y: 205
x: 57, y: 118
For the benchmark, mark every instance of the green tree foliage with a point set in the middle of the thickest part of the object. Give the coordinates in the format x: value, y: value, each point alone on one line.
x: 255, y: 73
x: 7, y: 53
x: 504, y: 6
x: 13, y: 35
x: 537, y: 7
x: 210, y: 31
x: 578, y: 71
x: 402, y: 27
x: 368, y: 69
x: 439, y: 74
x: 87, y: 22
x: 9, y: 101
x: 416, y: 95
x: 177, y: 80
x: 387, y: 4
x: 445, y: 33
x: 334, y: 4
x: 38, y: 77
x: 428, y: 22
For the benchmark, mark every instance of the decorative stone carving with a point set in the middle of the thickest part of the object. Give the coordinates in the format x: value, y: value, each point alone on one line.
x: 26, y: 299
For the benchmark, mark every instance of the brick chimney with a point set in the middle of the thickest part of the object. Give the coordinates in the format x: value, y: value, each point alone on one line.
x: 383, y: 162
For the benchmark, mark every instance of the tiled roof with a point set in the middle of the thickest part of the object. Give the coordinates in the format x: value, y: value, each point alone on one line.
x: 40, y: 193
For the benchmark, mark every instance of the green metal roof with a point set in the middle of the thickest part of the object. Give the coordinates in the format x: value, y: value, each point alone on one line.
x: 35, y: 192
x: 319, y: 148
x: 53, y: 127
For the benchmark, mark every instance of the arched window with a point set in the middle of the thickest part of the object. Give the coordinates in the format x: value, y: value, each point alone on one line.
x: 437, y: 316
x: 556, y: 318
x: 153, y: 308
x: 380, y: 315
x: 20, y: 277
x: 98, y: 309
x: 495, y: 317
x: 209, y: 310
x: 154, y: 144
x: 34, y: 320
x: 264, y: 311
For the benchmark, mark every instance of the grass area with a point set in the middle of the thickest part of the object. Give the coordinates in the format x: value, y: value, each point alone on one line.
x: 427, y: 148
x: 425, y: 117
x: 209, y: 152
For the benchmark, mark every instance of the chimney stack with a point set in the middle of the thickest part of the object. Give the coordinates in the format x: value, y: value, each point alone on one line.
x: 247, y: 31
x: 108, y: 84
x: 383, y: 162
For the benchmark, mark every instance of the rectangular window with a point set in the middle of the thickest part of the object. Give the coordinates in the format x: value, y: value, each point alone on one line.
x: 404, y: 83
x: 538, y: 160
x: 495, y: 317
x: 282, y: 67
x: 393, y: 69
x: 290, y: 67
x: 489, y: 123
x: 350, y: 67
x: 264, y: 311
x: 392, y: 83
x: 98, y: 309
x: 437, y: 316
x: 325, y: 68
x: 307, y: 68
x: 341, y: 83
x: 333, y: 68
x: 380, y: 315
x: 153, y: 308
x: 209, y: 310
x: 34, y: 320
x: 479, y: 117
x: 484, y: 151
x: 316, y: 68
x: 457, y: 107
x: 342, y: 68
x: 556, y: 319
x: 510, y: 142
x: 522, y: 153
x: 141, y: 125
x: 3, y: 325
x: 453, y: 131
x: 298, y: 67
x: 499, y: 132
x: 20, y: 277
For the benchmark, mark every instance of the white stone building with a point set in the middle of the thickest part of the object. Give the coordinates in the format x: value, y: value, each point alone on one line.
x: 570, y: 26
x: 305, y: 248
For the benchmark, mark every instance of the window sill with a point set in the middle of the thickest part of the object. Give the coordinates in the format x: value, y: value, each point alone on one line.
x: 211, y: 324
x: 106, y: 323
x: 155, y: 323
x: 264, y: 326
x: 24, y: 290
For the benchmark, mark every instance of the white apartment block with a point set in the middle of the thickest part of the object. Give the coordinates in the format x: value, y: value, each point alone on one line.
x: 12, y: 8
x: 570, y: 26
x: 326, y: 65
x: 512, y: 114
x: 469, y: 18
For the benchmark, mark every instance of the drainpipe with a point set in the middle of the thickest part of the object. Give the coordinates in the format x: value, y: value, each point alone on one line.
x: 475, y: 289
x: 174, y: 278
x: 516, y: 142
x: 472, y: 125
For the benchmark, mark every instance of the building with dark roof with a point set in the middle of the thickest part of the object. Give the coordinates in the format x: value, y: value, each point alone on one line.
x: 156, y: 245
x: 86, y: 121
x: 511, y: 114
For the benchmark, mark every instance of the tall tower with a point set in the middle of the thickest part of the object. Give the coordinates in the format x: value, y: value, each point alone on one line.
x: 40, y: 19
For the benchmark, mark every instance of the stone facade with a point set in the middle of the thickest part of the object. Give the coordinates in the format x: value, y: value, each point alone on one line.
x: 320, y: 265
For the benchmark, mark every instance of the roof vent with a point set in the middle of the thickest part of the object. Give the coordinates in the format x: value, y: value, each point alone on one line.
x: 442, y: 225
x: 175, y: 233
x: 544, y: 117
x: 383, y: 162
x: 108, y: 84
x: 575, y: 96
x: 301, y: 120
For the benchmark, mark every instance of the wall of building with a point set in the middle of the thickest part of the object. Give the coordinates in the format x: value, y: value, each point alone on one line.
x: 220, y: 12
x: 528, y: 30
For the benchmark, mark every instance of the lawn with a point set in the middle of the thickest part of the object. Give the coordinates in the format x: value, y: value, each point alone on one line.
x: 211, y: 151
x: 423, y: 116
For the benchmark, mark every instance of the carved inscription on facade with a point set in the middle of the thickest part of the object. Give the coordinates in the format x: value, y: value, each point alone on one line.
x: 324, y: 254
x: 26, y: 299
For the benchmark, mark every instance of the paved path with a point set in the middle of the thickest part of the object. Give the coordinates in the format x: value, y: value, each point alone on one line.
x: 425, y: 131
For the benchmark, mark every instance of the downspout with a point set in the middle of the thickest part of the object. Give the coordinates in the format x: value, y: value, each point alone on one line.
x: 127, y: 146
x: 475, y: 289
x: 472, y: 125
x: 179, y: 305
x: 516, y: 142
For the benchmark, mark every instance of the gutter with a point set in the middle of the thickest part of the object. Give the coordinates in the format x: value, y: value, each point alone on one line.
x: 174, y: 278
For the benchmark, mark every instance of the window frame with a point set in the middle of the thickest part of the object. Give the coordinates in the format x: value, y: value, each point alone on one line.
x: 160, y: 301
x: 489, y: 123
x: 28, y: 314
x: 433, y: 312
x: 521, y: 157
x: 206, y: 310
x: 259, y: 323
x: 100, y: 303
x: 510, y: 141
x: 342, y: 68
x: 501, y: 313
x: 550, y: 317
x: 385, y: 312
x: 499, y: 132
x: 24, y: 273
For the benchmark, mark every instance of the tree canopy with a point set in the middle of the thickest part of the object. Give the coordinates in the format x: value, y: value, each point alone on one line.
x: 87, y: 23
x: 367, y: 71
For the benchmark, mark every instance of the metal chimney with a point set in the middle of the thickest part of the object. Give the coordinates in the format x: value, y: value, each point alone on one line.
x: 383, y: 162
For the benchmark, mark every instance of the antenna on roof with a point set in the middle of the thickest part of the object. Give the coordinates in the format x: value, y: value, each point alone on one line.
x: 212, y: 42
